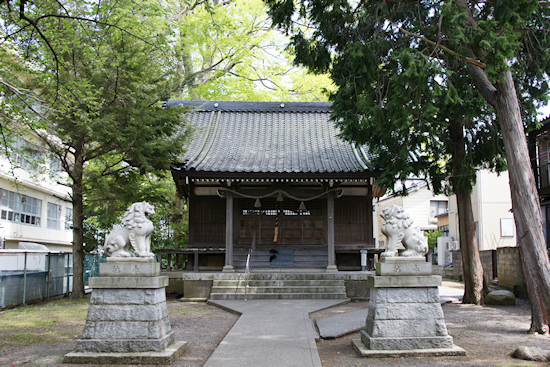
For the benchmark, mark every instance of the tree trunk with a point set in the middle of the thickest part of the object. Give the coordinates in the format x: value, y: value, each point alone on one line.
x: 78, y: 228
x: 472, y: 269
x: 525, y: 204
x: 471, y: 262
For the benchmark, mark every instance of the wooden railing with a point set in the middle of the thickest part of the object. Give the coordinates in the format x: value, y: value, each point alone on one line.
x: 183, y: 258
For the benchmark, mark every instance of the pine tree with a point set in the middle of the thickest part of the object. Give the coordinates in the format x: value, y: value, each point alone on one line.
x: 394, y: 61
x: 103, y: 70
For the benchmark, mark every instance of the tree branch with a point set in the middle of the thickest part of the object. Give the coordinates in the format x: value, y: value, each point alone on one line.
x: 469, y: 60
x: 34, y: 24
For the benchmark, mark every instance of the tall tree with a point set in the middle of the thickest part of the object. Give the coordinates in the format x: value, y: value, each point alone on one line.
x: 500, y: 47
x: 227, y: 50
x: 103, y: 72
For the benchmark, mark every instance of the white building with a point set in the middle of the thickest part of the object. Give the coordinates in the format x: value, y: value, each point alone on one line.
x: 35, y: 205
x: 491, y: 206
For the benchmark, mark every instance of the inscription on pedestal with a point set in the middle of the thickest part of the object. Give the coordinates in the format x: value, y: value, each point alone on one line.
x: 403, y: 266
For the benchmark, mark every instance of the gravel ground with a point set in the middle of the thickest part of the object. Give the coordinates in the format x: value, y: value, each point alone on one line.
x: 488, y: 334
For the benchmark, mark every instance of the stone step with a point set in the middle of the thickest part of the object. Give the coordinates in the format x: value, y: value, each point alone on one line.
x: 250, y: 296
x: 277, y: 282
x: 290, y: 290
x: 279, y: 275
x: 279, y: 286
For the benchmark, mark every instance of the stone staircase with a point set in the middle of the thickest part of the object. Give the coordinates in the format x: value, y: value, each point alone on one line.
x: 279, y: 286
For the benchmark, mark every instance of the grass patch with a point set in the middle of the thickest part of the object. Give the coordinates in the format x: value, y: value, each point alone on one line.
x: 45, y: 323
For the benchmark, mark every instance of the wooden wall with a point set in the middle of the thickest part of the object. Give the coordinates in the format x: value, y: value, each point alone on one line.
x: 352, y: 223
x: 206, y: 221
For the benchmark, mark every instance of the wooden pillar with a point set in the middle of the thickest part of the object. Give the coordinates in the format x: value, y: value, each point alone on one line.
x: 228, y: 232
x: 330, y: 233
x: 196, y: 259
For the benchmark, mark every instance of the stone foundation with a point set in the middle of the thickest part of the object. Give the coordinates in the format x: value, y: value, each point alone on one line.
x: 405, y: 315
x: 127, y: 320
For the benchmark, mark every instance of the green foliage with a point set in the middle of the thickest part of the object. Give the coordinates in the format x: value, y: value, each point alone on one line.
x: 402, y: 73
x: 101, y: 72
x: 432, y: 236
x: 108, y: 197
x: 229, y: 51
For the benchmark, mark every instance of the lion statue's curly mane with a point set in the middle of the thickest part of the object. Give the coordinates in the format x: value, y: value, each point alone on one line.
x: 398, y: 229
x: 135, y: 231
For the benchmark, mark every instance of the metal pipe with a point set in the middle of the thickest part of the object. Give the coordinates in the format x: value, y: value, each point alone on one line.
x: 25, y: 280
x: 67, y: 272
x: 48, y: 282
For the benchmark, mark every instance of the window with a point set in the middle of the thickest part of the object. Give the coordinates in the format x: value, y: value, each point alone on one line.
x: 444, y: 230
x: 54, y: 216
x: 26, y: 155
x: 437, y: 207
x: 507, y: 227
x: 68, y: 218
x: 55, y: 165
x: 20, y: 208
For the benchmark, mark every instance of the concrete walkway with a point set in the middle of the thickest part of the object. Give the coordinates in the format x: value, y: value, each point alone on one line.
x: 270, y: 333
x: 280, y: 333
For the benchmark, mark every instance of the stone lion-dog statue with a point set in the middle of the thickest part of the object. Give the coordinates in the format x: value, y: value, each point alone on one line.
x: 135, y: 231
x: 398, y: 229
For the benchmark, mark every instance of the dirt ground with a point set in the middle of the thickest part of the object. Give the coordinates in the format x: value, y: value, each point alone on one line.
x: 488, y: 334
x: 44, y: 344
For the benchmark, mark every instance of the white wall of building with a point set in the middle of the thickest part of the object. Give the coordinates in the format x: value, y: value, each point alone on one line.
x: 43, y: 186
x: 491, y: 205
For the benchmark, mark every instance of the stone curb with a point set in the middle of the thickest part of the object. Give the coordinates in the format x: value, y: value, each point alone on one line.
x: 168, y: 356
x: 364, y: 352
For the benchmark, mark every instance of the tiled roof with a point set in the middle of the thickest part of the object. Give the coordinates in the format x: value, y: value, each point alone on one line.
x: 258, y: 138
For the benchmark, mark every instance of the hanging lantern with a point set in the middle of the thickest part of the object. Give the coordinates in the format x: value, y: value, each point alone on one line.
x: 257, y: 204
x: 302, y: 206
x: 280, y: 197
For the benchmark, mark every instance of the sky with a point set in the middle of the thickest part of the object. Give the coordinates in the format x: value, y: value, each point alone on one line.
x: 544, y: 112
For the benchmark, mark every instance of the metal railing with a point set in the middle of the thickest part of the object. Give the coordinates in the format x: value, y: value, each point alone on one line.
x: 184, y: 258
x: 249, y: 260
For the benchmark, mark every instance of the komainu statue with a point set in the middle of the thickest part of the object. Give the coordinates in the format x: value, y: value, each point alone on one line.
x: 398, y: 229
x: 135, y: 231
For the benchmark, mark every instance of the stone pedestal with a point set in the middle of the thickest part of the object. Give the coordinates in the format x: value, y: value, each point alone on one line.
x: 405, y: 316
x: 127, y: 320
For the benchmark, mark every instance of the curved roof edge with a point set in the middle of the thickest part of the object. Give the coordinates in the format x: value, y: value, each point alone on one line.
x: 253, y: 106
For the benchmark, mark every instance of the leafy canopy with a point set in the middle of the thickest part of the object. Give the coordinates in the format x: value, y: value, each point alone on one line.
x: 403, y: 81
x: 99, y: 73
x: 230, y: 51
